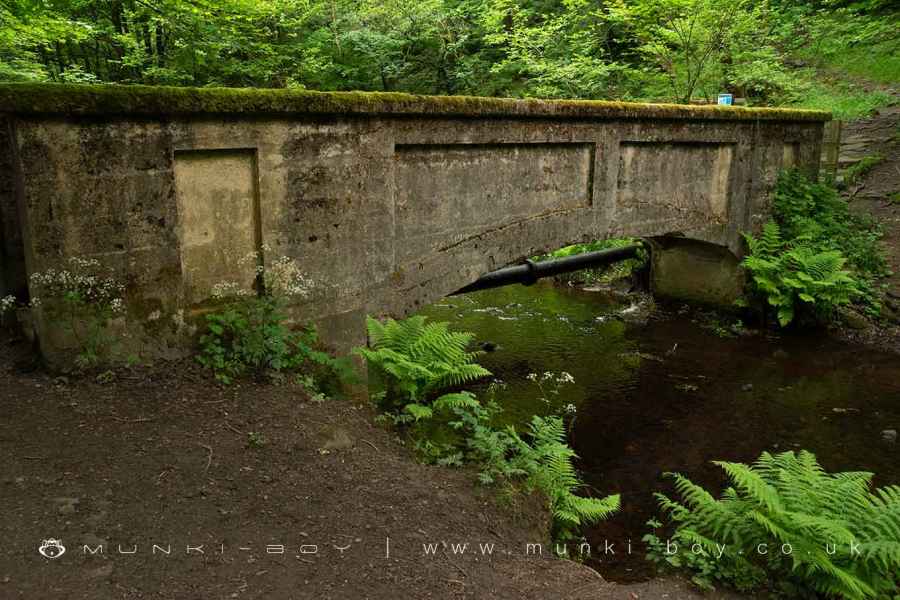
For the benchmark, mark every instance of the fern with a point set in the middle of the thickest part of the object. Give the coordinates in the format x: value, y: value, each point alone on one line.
x: 416, y: 359
x: 814, y: 255
x: 547, y: 460
x: 845, y: 539
x: 792, y: 275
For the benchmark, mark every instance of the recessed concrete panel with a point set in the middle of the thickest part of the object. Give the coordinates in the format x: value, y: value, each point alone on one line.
x: 681, y: 182
x: 218, y: 219
x: 445, y: 191
x: 789, y: 156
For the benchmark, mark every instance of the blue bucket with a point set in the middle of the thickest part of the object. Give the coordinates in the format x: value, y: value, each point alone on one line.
x: 725, y: 99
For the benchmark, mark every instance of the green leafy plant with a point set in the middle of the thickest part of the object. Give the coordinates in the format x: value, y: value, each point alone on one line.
x: 256, y: 439
x: 814, y: 255
x: 547, y: 458
x: 249, y: 332
x: 858, y: 170
x: 814, y: 213
x: 83, y: 297
x: 791, y: 276
x: 415, y: 359
x: 787, y: 520
x: 541, y: 455
x: 677, y: 553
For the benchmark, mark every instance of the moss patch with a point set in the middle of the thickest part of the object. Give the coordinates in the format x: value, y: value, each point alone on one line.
x: 31, y: 98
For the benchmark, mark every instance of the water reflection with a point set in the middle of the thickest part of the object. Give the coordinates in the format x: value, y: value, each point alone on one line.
x: 670, y: 395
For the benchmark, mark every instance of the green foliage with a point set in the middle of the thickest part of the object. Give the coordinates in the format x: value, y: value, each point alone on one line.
x: 790, y: 276
x: 845, y: 100
x: 702, y: 45
x: 416, y: 359
x: 858, y: 170
x: 705, y: 568
x: 788, y: 520
x: 615, y: 271
x: 252, y: 336
x: 815, y: 255
x: 249, y: 333
x: 629, y: 49
x: 542, y: 457
x: 844, y: 48
x: 853, y: 39
x: 547, y: 459
x: 256, y: 439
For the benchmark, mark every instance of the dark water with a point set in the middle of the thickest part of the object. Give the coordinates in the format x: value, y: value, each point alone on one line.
x: 668, y: 394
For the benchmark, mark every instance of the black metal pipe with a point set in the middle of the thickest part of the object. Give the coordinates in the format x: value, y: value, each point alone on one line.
x: 531, y: 271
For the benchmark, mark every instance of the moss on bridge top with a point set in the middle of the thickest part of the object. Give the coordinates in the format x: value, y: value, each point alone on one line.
x: 63, y: 99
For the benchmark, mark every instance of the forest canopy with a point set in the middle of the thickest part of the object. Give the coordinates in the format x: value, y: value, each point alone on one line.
x: 768, y: 52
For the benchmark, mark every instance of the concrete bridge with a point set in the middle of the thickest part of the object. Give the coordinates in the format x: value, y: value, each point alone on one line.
x: 389, y: 201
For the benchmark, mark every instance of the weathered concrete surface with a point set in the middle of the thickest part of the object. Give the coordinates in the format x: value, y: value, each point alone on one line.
x: 12, y: 252
x: 389, y: 205
x: 695, y: 271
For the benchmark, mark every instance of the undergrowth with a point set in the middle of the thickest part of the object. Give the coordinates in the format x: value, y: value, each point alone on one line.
x: 420, y: 365
x: 249, y: 332
x: 814, y: 256
x: 82, y: 298
x: 845, y: 100
x: 858, y: 170
x: 787, y: 525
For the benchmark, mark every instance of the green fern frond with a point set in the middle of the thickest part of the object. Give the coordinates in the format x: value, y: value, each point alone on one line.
x: 456, y: 400
x: 746, y: 479
x: 790, y: 499
x: 419, y: 358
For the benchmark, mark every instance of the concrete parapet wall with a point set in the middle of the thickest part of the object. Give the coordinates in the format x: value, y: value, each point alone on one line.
x: 389, y: 202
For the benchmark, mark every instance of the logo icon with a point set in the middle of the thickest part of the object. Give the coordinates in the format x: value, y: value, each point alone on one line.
x: 52, y: 548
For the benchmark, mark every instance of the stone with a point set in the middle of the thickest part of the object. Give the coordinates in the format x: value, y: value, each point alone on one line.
x: 67, y: 505
x: 854, y: 320
x: 100, y: 572
x: 889, y: 435
x: 338, y: 439
x: 747, y: 387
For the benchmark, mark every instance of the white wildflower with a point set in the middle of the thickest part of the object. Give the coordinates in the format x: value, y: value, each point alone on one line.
x: 228, y: 289
x: 571, y: 409
x: 284, y: 278
x: 565, y: 377
x: 7, y: 303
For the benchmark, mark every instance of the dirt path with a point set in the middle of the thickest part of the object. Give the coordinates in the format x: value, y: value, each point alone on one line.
x: 167, y: 457
x: 876, y: 193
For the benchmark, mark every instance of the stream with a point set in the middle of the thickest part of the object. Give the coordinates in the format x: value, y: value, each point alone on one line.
x: 658, y: 390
